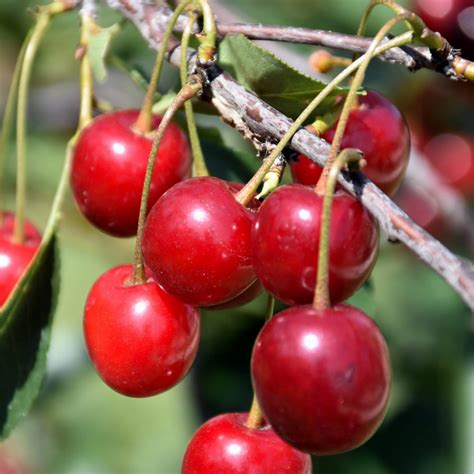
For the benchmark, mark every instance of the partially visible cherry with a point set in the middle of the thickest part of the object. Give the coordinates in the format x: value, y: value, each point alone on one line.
x: 14, y: 259
x: 196, y: 242
x: 305, y: 171
x: 285, y: 244
x: 322, y: 378
x: 225, y: 445
x: 378, y: 129
x: 248, y: 295
x: 452, y: 155
x: 141, y: 340
x: 109, y: 164
x: 32, y: 235
x: 453, y: 19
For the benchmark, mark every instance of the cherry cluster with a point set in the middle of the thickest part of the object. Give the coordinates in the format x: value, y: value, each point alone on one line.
x: 321, y: 374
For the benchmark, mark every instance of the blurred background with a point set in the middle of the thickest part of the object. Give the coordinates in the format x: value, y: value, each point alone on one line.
x: 79, y: 426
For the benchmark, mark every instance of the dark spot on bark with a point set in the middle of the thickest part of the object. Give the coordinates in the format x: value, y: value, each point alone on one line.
x: 254, y: 113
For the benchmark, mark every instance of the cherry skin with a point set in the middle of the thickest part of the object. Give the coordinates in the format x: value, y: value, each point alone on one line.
x: 285, y: 244
x: 108, y: 170
x: 452, y: 156
x: 196, y: 242
x: 225, y: 445
x: 378, y: 129
x: 32, y: 235
x: 254, y: 290
x: 141, y: 340
x: 305, y: 171
x: 322, y: 378
x: 453, y: 19
x: 14, y: 259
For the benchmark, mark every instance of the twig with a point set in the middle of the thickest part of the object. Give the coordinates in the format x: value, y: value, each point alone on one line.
x: 253, y: 117
x: 413, y: 58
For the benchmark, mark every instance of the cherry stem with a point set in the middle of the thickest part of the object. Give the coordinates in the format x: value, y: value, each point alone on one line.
x: 8, y: 117
x: 430, y: 38
x: 206, y: 55
x: 85, y: 116
x: 351, y: 97
x: 200, y: 168
x: 272, y: 179
x: 255, y: 418
x: 86, y: 81
x: 245, y: 195
x: 351, y: 158
x: 38, y: 31
x: 188, y: 91
x: 144, y: 120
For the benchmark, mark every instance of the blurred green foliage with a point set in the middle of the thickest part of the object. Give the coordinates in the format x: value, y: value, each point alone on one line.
x: 78, y: 425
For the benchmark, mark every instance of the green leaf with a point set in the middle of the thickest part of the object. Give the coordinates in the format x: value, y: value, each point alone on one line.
x: 282, y: 86
x: 224, y: 161
x: 25, y: 326
x: 97, y: 50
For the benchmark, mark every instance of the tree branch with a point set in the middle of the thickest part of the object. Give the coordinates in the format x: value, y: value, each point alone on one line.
x: 256, y: 120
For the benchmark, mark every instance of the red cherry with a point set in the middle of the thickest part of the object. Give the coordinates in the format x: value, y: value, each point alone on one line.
x: 196, y: 242
x: 285, y: 244
x: 225, y: 445
x: 141, y: 340
x: 32, y: 235
x: 254, y: 290
x: 322, y: 378
x: 453, y: 19
x: 378, y: 129
x: 453, y: 157
x: 108, y: 170
x: 14, y: 259
x: 305, y: 171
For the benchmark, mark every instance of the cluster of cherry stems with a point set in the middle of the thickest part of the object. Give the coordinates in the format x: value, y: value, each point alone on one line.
x: 321, y: 375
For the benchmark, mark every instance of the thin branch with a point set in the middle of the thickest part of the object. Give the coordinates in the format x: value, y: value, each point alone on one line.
x: 410, y: 57
x: 254, y: 118
x: 413, y: 58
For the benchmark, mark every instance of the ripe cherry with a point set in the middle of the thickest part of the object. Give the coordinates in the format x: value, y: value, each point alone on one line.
x: 254, y: 290
x: 285, y: 244
x: 305, y: 171
x: 377, y: 128
x: 196, y: 242
x: 322, y: 378
x: 141, y: 340
x: 32, y: 235
x: 453, y: 19
x: 452, y: 155
x: 15, y: 258
x: 225, y: 445
x: 108, y: 169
